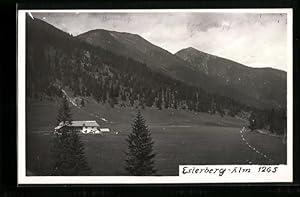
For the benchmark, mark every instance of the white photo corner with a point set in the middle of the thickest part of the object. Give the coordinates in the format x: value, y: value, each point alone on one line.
x: 155, y: 96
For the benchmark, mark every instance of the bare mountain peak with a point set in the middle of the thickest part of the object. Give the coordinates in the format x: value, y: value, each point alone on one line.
x: 111, y: 32
x: 191, y: 51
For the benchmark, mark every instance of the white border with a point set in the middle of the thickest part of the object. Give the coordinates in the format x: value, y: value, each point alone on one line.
x: 285, y: 172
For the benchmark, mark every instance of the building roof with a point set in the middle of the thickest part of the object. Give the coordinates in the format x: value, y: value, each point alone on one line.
x: 85, y: 123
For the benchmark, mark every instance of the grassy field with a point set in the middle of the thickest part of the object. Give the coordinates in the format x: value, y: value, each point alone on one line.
x: 180, y: 137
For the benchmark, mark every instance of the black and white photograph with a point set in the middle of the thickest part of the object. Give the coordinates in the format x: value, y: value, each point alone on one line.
x: 152, y: 96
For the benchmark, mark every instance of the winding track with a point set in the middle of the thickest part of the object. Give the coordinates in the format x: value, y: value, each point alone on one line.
x: 253, y: 148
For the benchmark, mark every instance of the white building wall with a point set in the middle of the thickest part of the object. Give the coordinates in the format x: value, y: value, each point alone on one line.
x: 89, y: 129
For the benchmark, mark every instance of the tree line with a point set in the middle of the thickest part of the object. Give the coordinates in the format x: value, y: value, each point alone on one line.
x: 271, y: 120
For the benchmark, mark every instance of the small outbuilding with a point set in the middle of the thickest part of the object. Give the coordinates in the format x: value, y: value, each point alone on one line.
x: 104, y: 130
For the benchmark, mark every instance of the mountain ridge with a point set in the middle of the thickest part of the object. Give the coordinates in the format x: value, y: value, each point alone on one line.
x: 187, y: 70
x: 260, y: 83
x: 140, y: 49
x: 141, y: 54
x: 195, y: 67
x: 107, y: 77
x: 217, y: 56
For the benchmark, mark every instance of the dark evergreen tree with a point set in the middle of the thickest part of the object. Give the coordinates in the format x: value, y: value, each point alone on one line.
x: 82, y: 103
x: 220, y: 110
x: 283, y: 125
x: 212, y: 109
x: 123, y: 96
x: 69, y: 158
x: 272, y: 121
x: 111, y: 103
x: 166, y: 99
x: 64, y: 112
x: 233, y: 112
x: 68, y: 149
x: 131, y: 100
x: 140, y: 156
x: 142, y: 102
x: 252, y: 122
x: 175, y: 104
x: 158, y: 102
x: 104, y: 94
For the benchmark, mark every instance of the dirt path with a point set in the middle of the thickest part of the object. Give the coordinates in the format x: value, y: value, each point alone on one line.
x: 260, y: 153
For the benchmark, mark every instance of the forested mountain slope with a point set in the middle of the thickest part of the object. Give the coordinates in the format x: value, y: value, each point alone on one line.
x: 263, y: 88
x: 265, y: 85
x: 157, y: 59
x: 56, y: 59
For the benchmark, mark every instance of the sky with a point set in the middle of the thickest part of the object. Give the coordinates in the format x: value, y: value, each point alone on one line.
x: 253, y: 39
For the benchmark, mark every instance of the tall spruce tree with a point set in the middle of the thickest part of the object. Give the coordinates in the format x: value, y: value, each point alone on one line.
x: 272, y: 121
x: 82, y: 103
x: 140, y: 156
x: 64, y: 112
x: 252, y: 121
x: 68, y: 149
